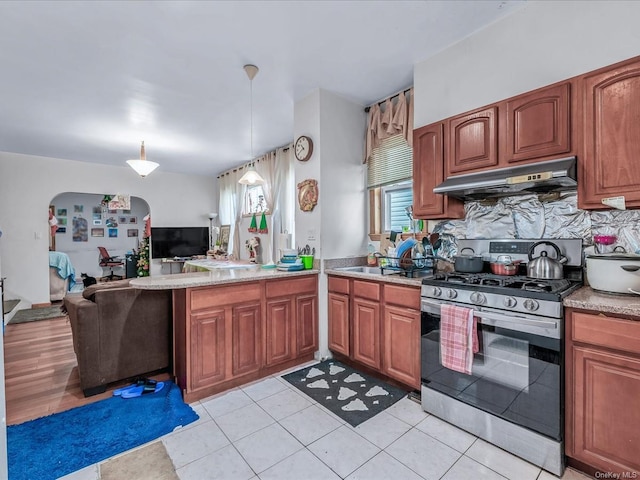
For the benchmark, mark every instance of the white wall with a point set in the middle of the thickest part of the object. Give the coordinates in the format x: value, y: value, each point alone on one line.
x: 28, y: 183
x: 539, y: 44
x: 336, y: 227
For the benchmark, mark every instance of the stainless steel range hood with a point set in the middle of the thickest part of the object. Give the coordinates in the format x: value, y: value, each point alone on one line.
x: 549, y: 176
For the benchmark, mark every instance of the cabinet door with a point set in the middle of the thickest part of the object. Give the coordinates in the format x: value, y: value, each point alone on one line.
x: 402, y: 345
x: 473, y: 141
x: 307, y: 324
x: 606, y: 418
x: 279, y: 331
x: 610, y: 165
x: 339, y: 323
x: 207, y: 349
x: 538, y: 124
x: 246, y: 339
x: 366, y: 332
x: 428, y: 172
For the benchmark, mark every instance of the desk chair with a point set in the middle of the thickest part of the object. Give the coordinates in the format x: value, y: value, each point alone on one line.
x: 107, y: 261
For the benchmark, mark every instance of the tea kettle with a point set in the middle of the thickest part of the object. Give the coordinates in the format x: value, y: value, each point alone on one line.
x: 543, y: 266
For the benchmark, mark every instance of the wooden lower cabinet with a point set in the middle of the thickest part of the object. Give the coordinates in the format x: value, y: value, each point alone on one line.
x: 228, y: 335
x: 246, y: 339
x: 602, y: 392
x: 207, y: 345
x: 377, y: 325
x: 279, y: 331
x: 306, y: 324
x: 366, y: 332
x: 402, y: 345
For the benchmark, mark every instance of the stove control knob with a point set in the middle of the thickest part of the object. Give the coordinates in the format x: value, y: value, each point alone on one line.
x: 531, y: 305
x: 437, y: 292
x: 510, y: 302
x: 478, y: 298
x: 451, y: 293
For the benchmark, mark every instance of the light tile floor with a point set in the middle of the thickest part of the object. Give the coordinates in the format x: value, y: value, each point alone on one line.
x: 268, y: 430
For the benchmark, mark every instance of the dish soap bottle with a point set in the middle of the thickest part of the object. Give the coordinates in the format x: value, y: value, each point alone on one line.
x: 371, y: 258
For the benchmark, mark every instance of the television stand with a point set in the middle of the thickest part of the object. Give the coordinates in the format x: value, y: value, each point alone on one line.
x: 174, y: 261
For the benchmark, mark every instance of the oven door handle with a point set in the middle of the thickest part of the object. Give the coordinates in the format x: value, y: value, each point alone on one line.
x: 514, y: 319
x: 489, y: 318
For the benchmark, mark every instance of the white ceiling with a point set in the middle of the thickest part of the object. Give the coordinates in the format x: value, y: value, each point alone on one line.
x: 89, y: 80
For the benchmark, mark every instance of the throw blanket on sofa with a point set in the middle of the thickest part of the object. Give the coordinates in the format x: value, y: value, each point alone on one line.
x: 62, y: 263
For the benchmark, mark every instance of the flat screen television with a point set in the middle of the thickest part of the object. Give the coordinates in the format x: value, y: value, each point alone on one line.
x: 170, y: 242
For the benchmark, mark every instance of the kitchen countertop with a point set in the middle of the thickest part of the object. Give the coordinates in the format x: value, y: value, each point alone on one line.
x: 393, y: 278
x: 214, y: 277
x: 586, y: 298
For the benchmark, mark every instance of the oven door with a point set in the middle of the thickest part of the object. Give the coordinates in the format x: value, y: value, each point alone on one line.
x: 516, y: 374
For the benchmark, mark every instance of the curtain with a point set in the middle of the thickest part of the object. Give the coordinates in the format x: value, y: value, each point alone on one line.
x: 230, y: 206
x: 277, y: 170
x: 396, y: 117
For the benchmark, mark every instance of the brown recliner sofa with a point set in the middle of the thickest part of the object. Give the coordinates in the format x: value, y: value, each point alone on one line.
x: 119, y: 332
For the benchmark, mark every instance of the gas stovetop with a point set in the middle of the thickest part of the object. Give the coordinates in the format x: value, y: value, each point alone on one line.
x: 516, y: 285
x: 507, y: 293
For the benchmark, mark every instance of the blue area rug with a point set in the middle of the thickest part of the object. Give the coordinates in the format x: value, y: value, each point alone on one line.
x: 53, y: 446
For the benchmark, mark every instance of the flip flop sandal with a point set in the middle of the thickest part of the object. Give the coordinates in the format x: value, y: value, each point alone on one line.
x: 143, y: 389
x: 138, y: 383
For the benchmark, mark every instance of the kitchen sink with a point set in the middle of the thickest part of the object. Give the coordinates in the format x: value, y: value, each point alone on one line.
x: 369, y: 270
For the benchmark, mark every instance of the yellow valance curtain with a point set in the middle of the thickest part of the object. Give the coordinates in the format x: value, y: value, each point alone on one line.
x: 393, y: 118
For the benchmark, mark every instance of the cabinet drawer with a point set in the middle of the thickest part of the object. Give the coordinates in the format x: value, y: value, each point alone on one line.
x: 402, y: 296
x: 367, y: 290
x: 214, y: 296
x: 606, y: 331
x: 339, y: 285
x: 291, y: 286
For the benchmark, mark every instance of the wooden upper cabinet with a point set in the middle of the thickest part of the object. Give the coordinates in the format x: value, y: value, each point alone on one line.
x: 473, y: 141
x: 611, y: 148
x: 538, y: 124
x: 428, y: 172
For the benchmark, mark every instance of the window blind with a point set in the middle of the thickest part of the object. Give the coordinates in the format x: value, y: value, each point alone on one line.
x: 391, y: 162
x: 396, y: 202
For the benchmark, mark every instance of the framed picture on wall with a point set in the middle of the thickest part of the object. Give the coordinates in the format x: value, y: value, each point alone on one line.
x: 132, y: 232
x: 113, y: 233
x: 62, y: 212
x: 61, y: 230
x: 97, y: 232
x: 133, y: 219
x: 97, y: 222
x: 122, y: 219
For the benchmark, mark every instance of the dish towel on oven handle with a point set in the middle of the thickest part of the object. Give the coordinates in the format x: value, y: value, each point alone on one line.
x: 458, y: 338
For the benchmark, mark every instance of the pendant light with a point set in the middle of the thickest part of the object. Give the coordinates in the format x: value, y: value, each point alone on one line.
x: 251, y: 176
x: 142, y: 166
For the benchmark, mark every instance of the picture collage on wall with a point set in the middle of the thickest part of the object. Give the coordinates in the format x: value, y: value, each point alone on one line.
x: 101, y: 220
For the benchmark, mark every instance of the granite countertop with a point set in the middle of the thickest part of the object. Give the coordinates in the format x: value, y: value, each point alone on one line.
x: 214, y: 277
x: 586, y: 298
x: 392, y: 278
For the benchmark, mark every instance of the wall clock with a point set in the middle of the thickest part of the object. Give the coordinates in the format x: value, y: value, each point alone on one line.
x: 303, y: 148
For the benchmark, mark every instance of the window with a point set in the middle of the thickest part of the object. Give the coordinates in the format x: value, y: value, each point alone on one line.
x: 394, y: 202
x: 389, y: 179
x: 254, y: 201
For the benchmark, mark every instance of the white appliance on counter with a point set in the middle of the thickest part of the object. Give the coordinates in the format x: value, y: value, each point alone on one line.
x: 513, y: 396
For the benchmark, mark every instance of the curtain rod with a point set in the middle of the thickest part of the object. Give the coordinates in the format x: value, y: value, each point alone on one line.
x: 255, y: 160
x: 366, y: 109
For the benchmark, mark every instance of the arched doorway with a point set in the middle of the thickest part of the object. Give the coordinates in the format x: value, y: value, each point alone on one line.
x: 84, y: 224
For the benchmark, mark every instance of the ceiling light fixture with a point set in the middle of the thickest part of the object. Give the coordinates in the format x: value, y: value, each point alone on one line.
x: 142, y: 166
x: 251, y: 176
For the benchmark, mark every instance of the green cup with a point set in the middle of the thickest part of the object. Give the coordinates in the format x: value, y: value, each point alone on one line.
x: 307, y: 261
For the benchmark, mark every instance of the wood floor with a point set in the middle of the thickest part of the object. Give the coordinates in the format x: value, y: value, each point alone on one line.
x: 41, y: 372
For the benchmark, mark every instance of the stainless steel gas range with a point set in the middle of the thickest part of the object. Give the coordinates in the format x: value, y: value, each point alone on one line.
x: 513, y: 397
